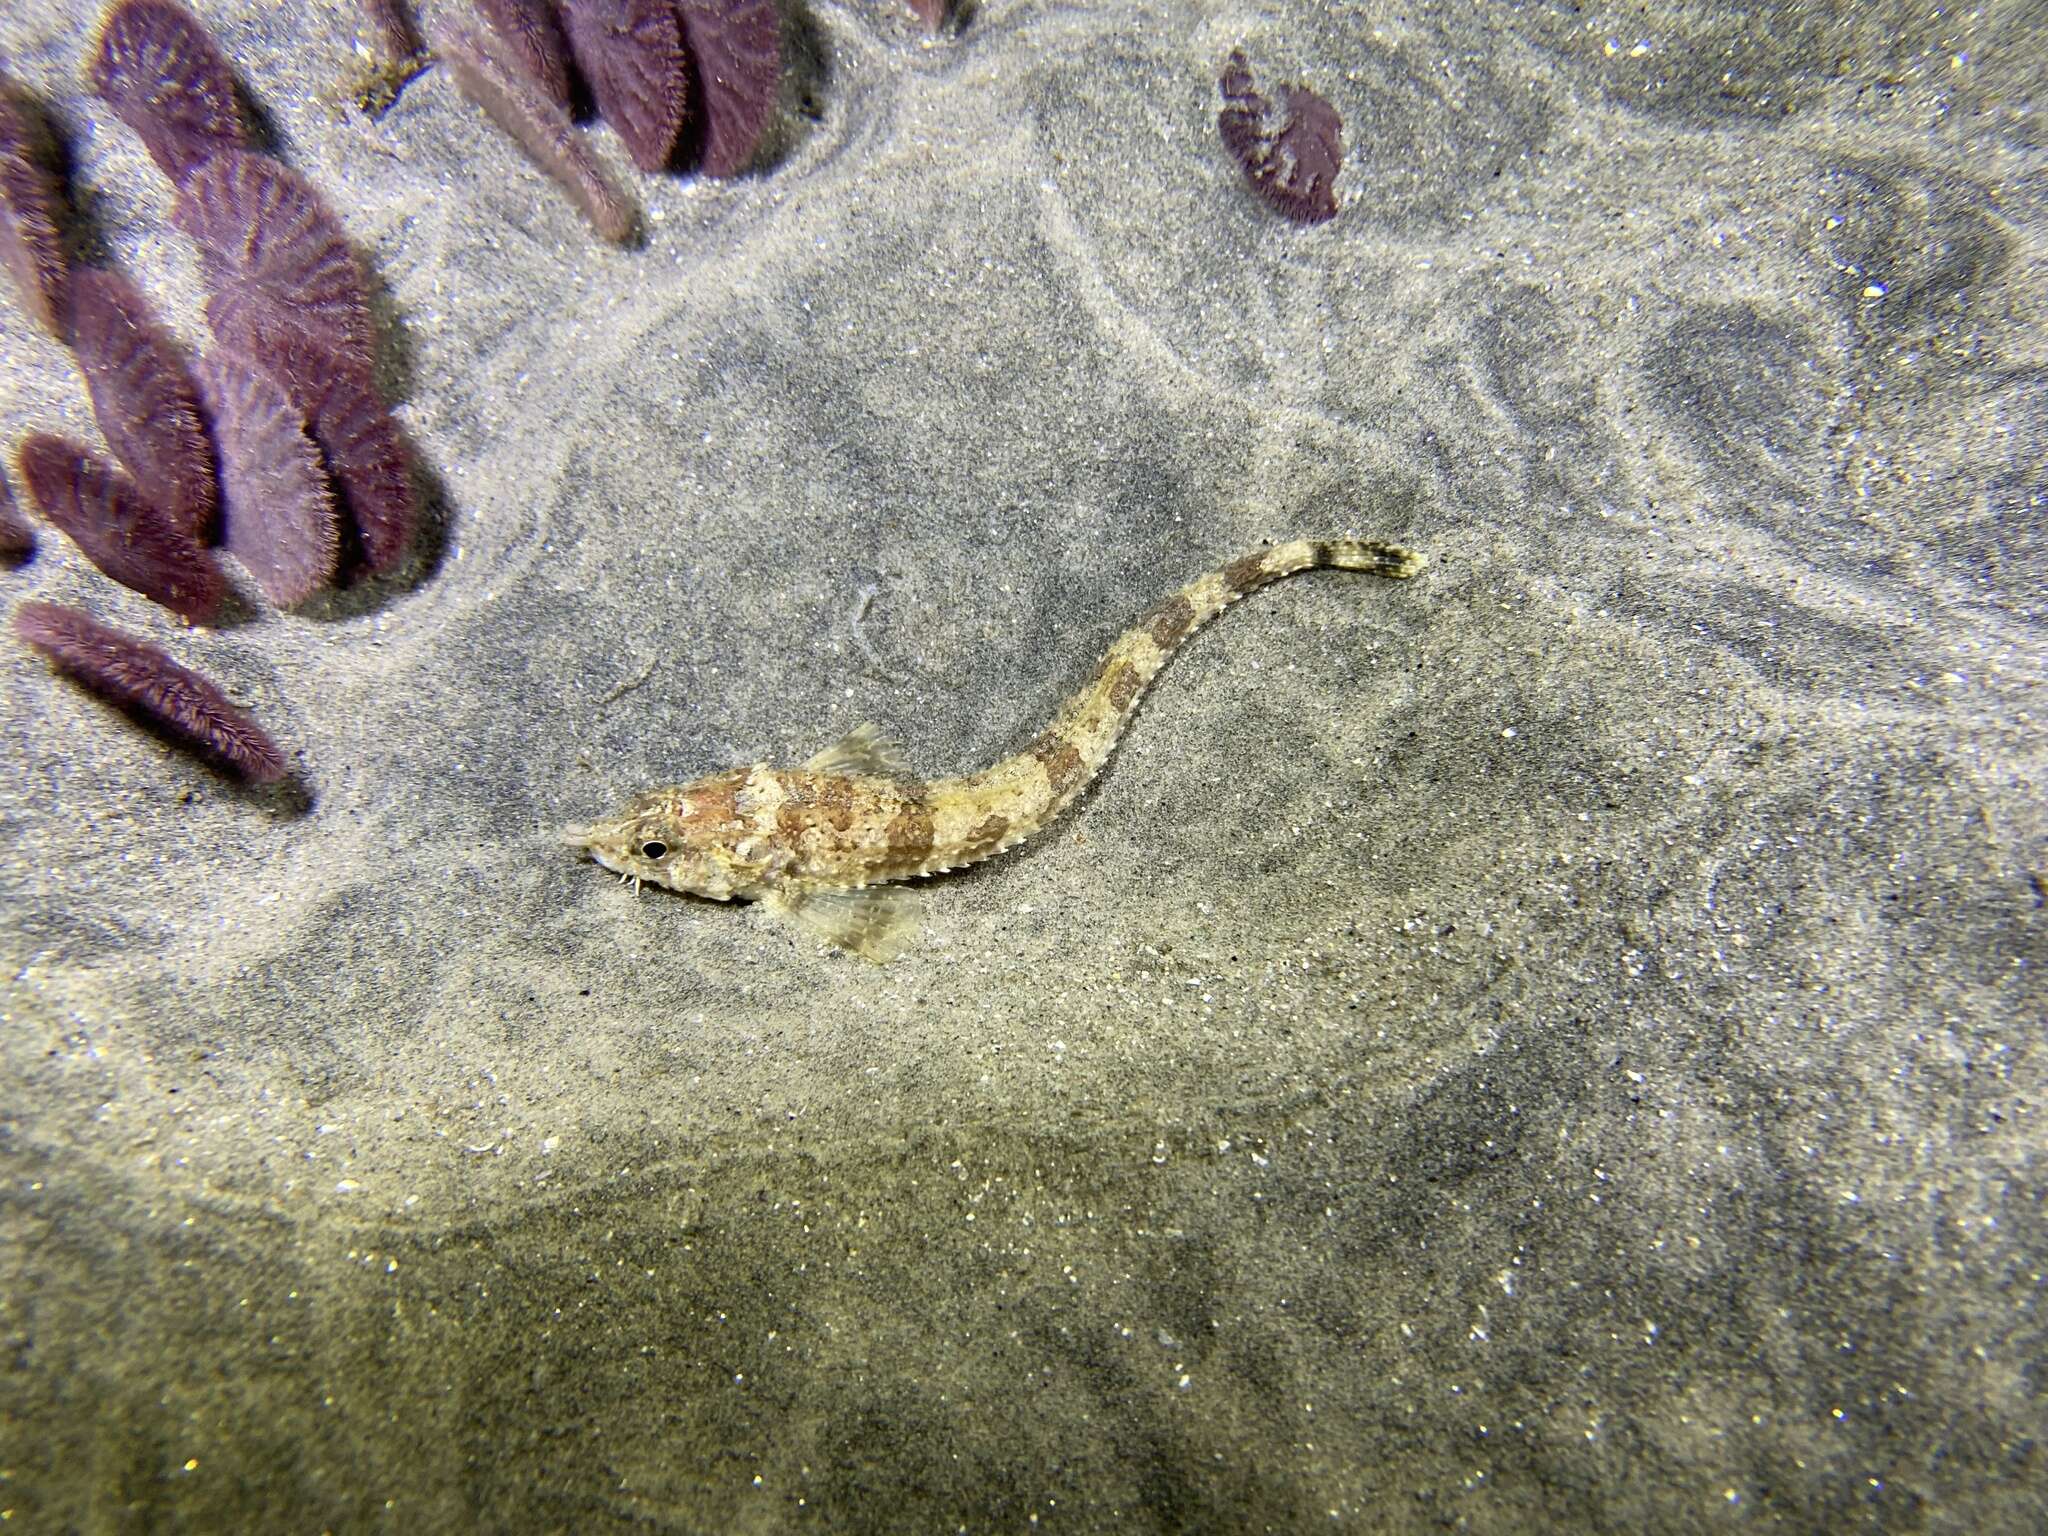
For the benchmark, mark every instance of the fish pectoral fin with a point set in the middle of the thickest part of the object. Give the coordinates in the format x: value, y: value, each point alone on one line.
x: 876, y: 922
x: 862, y: 750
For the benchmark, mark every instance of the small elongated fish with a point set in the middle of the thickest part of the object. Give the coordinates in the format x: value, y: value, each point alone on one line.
x: 824, y: 845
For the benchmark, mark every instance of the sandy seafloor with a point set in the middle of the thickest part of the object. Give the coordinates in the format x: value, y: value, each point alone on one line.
x: 1552, y: 1046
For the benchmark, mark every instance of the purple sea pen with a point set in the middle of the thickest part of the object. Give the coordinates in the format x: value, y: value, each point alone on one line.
x: 530, y: 33
x: 17, y: 541
x: 120, y: 530
x: 290, y: 298
x: 144, y: 401
x: 1291, y: 162
x: 736, y: 48
x: 356, y: 434
x: 135, y: 673
x: 631, y: 52
x: 397, y: 37
x: 490, y: 76
x: 276, y: 259
x: 277, y: 512
x: 395, y: 47
x: 29, y: 243
x: 159, y: 70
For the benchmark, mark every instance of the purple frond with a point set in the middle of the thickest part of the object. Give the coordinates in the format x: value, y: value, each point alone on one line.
x: 277, y: 511
x: 736, y: 48
x: 531, y: 37
x: 159, y: 70
x: 29, y: 242
x: 120, y: 530
x: 17, y: 539
x: 145, y: 404
x: 1292, y: 162
x: 357, y: 436
x: 397, y: 38
x: 631, y: 52
x: 133, y: 672
x: 276, y: 259
x: 489, y: 77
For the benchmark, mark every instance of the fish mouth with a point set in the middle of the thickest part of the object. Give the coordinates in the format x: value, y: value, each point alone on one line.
x: 590, y: 848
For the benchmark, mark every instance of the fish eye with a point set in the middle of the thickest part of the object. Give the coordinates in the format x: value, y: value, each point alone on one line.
x: 653, y: 850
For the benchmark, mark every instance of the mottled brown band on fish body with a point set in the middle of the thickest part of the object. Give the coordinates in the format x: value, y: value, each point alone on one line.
x: 713, y: 801
x: 909, y: 833
x: 1124, y: 685
x: 1247, y: 573
x: 1061, y: 762
x: 820, y: 800
x: 1171, y: 621
x: 984, y: 840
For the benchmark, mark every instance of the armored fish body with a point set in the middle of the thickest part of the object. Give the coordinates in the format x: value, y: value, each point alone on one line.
x: 828, y: 844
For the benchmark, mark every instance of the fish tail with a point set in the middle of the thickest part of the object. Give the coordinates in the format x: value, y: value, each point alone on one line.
x: 983, y: 813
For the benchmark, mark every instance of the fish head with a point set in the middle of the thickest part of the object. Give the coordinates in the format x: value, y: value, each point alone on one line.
x: 685, y: 838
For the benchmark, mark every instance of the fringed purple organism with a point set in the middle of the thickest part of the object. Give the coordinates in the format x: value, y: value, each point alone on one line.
x: 277, y: 261
x: 490, y: 75
x: 1292, y: 162
x: 735, y: 49
x: 631, y: 52
x: 145, y: 403
x: 290, y: 299
x: 120, y: 530
x: 17, y: 540
x: 133, y: 672
x: 931, y: 12
x: 397, y: 38
x: 396, y: 51
x: 29, y: 242
x: 356, y: 434
x: 159, y: 70
x: 277, y: 511
x: 531, y: 33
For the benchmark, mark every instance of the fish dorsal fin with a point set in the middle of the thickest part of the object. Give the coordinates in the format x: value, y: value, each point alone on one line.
x: 876, y: 922
x: 864, y: 749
